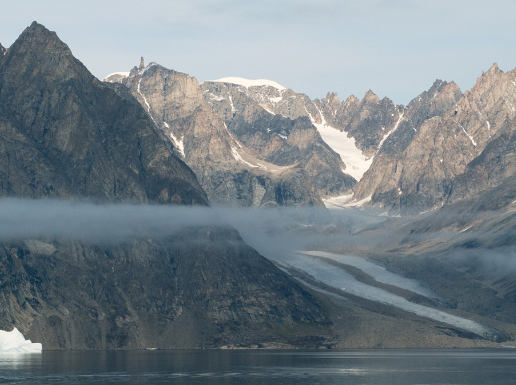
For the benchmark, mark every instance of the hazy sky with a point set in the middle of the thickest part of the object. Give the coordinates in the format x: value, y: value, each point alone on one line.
x: 397, y: 48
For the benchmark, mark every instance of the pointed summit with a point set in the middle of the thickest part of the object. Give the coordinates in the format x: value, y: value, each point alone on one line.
x: 39, y: 54
x: 371, y: 97
x: 142, y: 63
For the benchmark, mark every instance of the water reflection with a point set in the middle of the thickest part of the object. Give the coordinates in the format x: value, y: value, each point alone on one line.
x: 262, y: 367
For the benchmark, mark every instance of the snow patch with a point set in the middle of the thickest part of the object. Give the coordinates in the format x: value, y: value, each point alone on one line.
x: 345, y: 201
x: 276, y: 100
x: 239, y: 158
x: 400, y: 119
x: 15, y: 342
x: 232, y: 105
x: 145, y: 100
x: 354, y: 159
x: 216, y: 98
x: 249, y: 82
x: 124, y: 74
x: 470, y: 137
x: 338, y: 202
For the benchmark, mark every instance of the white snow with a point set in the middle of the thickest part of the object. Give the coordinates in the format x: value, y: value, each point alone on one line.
x: 328, y: 274
x: 232, y: 105
x: 178, y: 143
x: 238, y: 157
x: 359, y: 203
x: 276, y: 100
x: 250, y: 83
x: 282, y: 136
x: 400, y: 119
x: 354, y: 159
x: 378, y: 272
x: 146, y: 102
x: 344, y: 201
x: 470, y: 137
x: 338, y: 202
x: 15, y: 342
x: 124, y: 74
x: 216, y: 98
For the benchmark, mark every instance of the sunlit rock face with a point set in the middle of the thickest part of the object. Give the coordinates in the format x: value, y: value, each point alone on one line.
x: 231, y: 171
x: 401, y: 162
x: 276, y: 123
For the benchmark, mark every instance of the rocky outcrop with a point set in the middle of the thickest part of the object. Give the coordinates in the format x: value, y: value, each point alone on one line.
x: 278, y: 129
x: 2, y: 52
x: 423, y: 173
x: 64, y: 134
x: 231, y: 172
x: 386, y: 178
x: 495, y: 166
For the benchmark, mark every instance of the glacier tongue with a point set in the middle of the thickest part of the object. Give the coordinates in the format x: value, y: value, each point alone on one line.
x: 15, y: 342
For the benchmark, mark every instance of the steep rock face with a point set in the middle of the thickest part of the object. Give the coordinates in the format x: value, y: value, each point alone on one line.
x: 194, y: 290
x: 496, y: 165
x: 382, y: 180
x: 2, y: 51
x: 443, y: 146
x: 53, y: 108
x: 231, y: 172
x: 65, y: 134
x: 255, y: 115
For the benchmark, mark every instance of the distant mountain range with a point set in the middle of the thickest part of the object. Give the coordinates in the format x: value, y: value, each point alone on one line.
x: 407, y: 159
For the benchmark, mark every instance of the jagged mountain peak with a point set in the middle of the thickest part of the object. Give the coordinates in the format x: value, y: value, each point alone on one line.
x: 42, y: 57
x: 371, y: 97
x: 38, y: 38
x: 352, y: 99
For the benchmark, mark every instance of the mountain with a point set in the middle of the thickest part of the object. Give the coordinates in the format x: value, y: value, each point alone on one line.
x: 397, y: 167
x: 254, y: 114
x: 231, y: 172
x: 66, y: 135
x: 425, y: 167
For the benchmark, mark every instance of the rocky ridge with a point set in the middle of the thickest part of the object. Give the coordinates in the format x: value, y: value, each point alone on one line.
x: 425, y: 167
x: 231, y: 172
x: 282, y: 140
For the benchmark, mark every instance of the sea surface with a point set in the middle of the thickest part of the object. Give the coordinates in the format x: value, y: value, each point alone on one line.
x: 454, y: 366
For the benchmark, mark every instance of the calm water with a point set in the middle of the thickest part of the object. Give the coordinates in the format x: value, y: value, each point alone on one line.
x: 263, y: 367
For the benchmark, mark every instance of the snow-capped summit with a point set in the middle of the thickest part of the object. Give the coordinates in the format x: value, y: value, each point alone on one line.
x: 249, y: 82
x: 116, y: 77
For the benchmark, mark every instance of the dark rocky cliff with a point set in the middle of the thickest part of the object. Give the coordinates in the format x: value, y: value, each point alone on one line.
x: 64, y: 134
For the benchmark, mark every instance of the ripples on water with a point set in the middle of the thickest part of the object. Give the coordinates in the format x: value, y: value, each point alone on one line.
x: 263, y: 367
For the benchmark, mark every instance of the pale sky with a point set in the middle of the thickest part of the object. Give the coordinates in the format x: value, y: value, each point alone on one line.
x: 397, y: 48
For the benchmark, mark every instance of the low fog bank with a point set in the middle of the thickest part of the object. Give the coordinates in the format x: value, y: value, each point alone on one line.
x: 115, y: 223
x: 494, y: 262
x: 290, y: 227
x: 274, y: 232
